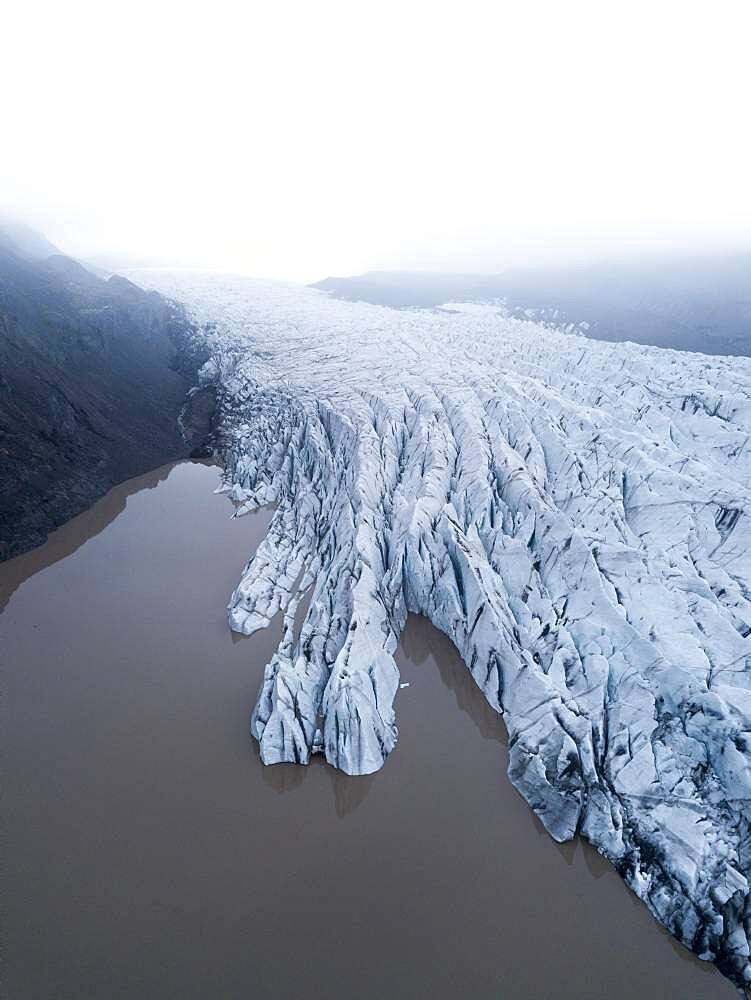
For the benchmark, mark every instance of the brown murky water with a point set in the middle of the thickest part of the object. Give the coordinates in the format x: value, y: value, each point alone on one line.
x: 149, y: 854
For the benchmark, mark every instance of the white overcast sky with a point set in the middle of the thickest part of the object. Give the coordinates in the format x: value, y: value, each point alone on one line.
x: 304, y: 139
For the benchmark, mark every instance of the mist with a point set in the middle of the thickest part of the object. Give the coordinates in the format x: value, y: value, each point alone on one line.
x: 300, y: 140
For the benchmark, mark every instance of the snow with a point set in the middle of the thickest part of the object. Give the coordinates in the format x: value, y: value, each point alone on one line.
x: 573, y: 514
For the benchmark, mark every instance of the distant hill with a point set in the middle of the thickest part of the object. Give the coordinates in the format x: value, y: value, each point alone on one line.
x: 93, y: 375
x: 25, y: 241
x: 700, y: 303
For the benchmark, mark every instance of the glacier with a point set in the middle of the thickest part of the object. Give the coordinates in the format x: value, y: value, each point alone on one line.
x: 574, y: 515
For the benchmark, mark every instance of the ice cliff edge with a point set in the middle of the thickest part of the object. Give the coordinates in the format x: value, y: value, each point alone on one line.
x: 574, y: 515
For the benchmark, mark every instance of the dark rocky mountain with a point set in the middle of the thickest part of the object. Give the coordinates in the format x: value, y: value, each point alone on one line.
x: 700, y: 303
x: 25, y: 241
x: 93, y: 377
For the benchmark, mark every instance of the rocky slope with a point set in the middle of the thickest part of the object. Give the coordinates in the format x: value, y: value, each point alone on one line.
x: 574, y: 515
x: 93, y: 376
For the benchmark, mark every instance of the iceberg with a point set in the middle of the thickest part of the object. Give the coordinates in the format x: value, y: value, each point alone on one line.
x: 575, y: 515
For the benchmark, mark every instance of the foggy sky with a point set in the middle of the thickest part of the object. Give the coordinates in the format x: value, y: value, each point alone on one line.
x: 303, y: 139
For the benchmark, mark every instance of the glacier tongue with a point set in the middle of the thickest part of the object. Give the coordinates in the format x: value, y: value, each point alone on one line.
x: 575, y: 515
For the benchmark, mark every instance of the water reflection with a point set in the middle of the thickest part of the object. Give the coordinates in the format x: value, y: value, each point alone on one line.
x: 66, y: 540
x: 283, y: 778
x: 424, y: 645
x: 349, y: 791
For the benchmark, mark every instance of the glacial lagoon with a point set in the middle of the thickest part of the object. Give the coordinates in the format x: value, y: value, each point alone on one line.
x: 149, y: 853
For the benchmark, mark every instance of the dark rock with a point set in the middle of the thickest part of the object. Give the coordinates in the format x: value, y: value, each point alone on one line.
x: 93, y: 376
x: 197, y: 421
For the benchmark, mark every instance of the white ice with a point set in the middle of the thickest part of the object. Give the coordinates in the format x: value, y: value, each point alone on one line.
x: 573, y: 514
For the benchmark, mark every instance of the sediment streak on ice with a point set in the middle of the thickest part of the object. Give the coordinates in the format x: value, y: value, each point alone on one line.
x: 573, y: 514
